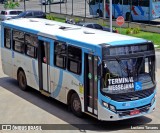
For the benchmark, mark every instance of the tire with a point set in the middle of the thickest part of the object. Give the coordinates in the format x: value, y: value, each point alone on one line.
x: 76, y: 105
x: 100, y: 13
x: 22, y: 81
x: 129, y: 17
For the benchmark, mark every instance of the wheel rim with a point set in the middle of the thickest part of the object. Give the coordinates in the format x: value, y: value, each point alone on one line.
x: 76, y: 105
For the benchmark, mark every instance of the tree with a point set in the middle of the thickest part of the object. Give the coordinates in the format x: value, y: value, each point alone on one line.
x: 9, y: 4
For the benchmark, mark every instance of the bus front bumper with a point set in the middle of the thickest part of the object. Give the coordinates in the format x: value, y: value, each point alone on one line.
x: 105, y: 114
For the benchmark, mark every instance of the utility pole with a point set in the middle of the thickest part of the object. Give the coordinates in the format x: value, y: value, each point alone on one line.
x: 24, y: 5
x: 110, y: 18
x: 45, y: 6
x: 104, y: 9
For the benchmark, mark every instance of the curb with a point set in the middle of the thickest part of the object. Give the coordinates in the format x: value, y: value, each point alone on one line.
x: 156, y: 47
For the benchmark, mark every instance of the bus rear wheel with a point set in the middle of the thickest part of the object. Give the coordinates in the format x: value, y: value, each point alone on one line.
x: 76, y: 105
x: 22, y: 81
x: 100, y: 13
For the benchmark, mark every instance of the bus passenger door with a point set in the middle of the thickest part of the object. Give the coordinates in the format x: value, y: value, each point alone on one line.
x: 44, y: 66
x: 91, y: 84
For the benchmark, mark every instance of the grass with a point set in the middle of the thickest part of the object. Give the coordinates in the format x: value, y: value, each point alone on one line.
x: 60, y: 20
x: 154, y: 37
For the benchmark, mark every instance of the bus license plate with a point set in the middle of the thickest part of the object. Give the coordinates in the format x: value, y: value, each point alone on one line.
x: 134, y: 112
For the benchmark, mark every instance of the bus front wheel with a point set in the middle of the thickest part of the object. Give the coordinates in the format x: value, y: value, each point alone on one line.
x: 76, y: 105
x: 22, y: 81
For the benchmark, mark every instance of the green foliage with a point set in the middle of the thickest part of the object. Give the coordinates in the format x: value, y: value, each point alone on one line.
x: 129, y: 31
x: 136, y: 30
x: 10, y: 4
x: 154, y: 37
x: 77, y: 20
x: 50, y: 17
x: 133, y: 30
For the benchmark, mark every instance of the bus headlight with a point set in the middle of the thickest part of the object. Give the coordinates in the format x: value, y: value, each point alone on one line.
x: 105, y: 104
x: 113, y: 108
x: 109, y: 106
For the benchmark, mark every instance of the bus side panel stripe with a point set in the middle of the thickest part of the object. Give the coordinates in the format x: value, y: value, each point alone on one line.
x: 2, y: 36
x: 51, y: 54
x: 34, y: 71
x: 118, y: 9
x: 59, y: 86
x: 141, y: 10
x: 123, y: 42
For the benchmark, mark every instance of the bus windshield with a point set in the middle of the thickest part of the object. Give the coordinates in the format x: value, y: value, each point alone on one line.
x: 122, y: 75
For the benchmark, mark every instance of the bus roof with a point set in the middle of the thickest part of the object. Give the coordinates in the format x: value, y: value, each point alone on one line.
x: 63, y: 31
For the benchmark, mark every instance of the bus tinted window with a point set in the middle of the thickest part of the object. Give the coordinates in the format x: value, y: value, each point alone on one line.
x: 31, y: 42
x: 18, y: 41
x: 125, y: 2
x: 7, y: 38
x: 144, y: 3
x: 60, y: 54
x: 74, y: 59
x: 31, y: 51
x: 134, y: 2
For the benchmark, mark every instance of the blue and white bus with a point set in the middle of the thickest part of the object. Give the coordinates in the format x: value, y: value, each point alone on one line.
x: 133, y: 10
x: 106, y: 75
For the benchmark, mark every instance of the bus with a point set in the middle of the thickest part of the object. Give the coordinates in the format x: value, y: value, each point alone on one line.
x: 105, y: 75
x: 131, y: 10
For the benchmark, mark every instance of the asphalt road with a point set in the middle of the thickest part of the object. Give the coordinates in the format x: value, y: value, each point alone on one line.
x: 19, y: 107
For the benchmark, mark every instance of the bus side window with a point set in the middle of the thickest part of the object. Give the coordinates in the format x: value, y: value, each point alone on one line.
x: 144, y: 3
x: 60, y: 54
x: 115, y: 1
x: 31, y: 42
x: 18, y: 41
x: 135, y: 2
x: 74, y: 59
x: 7, y: 38
x: 31, y: 51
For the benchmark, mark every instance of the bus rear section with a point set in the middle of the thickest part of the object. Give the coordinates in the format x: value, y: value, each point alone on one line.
x: 128, y: 86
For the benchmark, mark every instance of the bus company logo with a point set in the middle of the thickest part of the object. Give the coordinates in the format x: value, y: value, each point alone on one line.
x: 153, y: 12
x: 157, y: 6
x: 126, y: 104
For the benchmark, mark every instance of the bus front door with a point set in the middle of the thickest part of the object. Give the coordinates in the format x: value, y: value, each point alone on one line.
x: 91, y: 84
x: 44, y: 66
